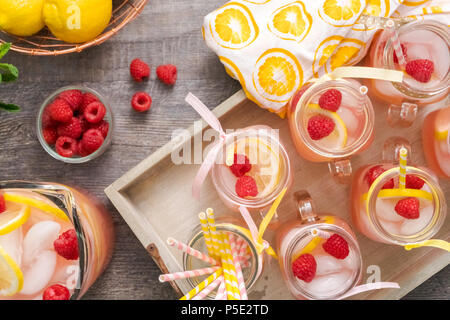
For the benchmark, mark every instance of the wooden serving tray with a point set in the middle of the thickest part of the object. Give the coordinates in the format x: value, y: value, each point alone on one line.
x: 155, y: 200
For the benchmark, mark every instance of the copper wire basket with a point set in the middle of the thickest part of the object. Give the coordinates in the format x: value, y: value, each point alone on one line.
x: 45, y: 44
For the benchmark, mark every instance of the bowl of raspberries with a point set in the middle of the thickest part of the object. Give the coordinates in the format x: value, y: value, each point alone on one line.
x: 75, y: 124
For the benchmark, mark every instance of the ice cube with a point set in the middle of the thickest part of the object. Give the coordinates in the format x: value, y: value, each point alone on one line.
x: 327, y: 264
x: 66, y: 275
x: 40, y: 237
x: 351, y: 122
x: 328, y: 285
x: 12, y: 243
x: 386, y: 210
x: 391, y: 227
x: 412, y: 226
x: 37, y: 276
x: 351, y: 261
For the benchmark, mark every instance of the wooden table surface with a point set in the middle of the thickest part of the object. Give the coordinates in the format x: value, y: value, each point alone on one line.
x: 166, y: 32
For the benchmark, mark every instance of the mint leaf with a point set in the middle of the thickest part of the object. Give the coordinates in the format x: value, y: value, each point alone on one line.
x: 9, y: 107
x: 4, y: 48
x: 8, y: 72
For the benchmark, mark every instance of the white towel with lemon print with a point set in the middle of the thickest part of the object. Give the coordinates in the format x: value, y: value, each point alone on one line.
x: 272, y: 47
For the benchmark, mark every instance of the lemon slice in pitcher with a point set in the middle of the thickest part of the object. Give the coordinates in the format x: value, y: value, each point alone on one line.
x: 14, y: 216
x: 266, y: 165
x: 338, y: 138
x: 11, y: 277
x: 38, y: 204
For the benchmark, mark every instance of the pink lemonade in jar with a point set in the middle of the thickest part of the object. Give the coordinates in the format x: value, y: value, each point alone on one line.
x: 252, y: 169
x: 425, y: 45
x: 319, y: 255
x: 45, y: 253
x: 385, y: 213
x: 436, y: 141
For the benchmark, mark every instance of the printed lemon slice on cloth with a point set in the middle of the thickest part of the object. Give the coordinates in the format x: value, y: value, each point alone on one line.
x: 338, y: 138
x: 291, y: 22
x: 14, y: 216
x: 233, y: 26
x: 36, y: 204
x: 11, y: 277
x: 401, y: 193
x: 340, y: 13
x: 343, y: 56
x: 266, y: 165
x: 277, y: 75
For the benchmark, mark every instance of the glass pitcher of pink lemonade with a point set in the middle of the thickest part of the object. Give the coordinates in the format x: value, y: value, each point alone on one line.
x: 436, y: 141
x: 319, y: 255
x: 386, y: 213
x: 54, y: 241
x: 426, y: 48
x: 252, y: 168
x: 330, y: 122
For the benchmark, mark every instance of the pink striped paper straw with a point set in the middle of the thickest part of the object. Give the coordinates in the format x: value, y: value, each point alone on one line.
x: 222, y: 291
x: 187, y: 274
x: 237, y: 266
x: 243, y: 256
x: 205, y: 292
x: 191, y: 251
x: 390, y: 27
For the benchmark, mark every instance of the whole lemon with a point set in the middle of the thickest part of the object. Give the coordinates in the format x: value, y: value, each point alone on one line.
x: 21, y: 17
x: 77, y: 21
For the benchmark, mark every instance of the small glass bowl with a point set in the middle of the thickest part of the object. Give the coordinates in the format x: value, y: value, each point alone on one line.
x: 108, y: 118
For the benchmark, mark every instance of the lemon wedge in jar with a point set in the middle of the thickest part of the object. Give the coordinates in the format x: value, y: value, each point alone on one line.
x: 266, y: 165
x: 14, y: 216
x: 36, y: 204
x: 11, y: 277
x: 338, y: 138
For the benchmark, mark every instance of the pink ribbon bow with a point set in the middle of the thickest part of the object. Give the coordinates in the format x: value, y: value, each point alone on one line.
x: 207, y: 164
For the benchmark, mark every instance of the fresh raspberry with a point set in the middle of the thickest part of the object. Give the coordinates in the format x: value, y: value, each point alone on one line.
x: 92, y: 140
x: 373, y: 173
x: 246, y: 186
x: 84, y: 124
x: 139, y: 70
x: 73, y: 97
x: 304, y: 267
x: 88, y: 98
x: 47, y: 120
x: 241, y: 165
x: 141, y: 101
x: 414, y: 182
x: 56, y: 292
x: 2, y: 203
x: 420, y: 69
x: 331, y: 100
x: 405, y: 52
x: 71, y: 129
x: 66, y: 147
x: 50, y: 135
x: 320, y: 127
x: 80, y: 150
x: 103, y: 126
x: 67, y: 245
x: 336, y: 246
x: 167, y: 73
x: 408, y: 208
x: 60, y: 111
x: 94, y: 112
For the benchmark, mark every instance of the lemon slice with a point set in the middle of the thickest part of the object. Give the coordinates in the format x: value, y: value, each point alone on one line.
x: 36, y: 204
x: 11, y: 277
x: 338, y: 138
x: 266, y: 165
x: 14, y: 216
x: 399, y: 193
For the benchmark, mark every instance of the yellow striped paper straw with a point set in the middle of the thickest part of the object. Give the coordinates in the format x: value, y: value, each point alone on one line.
x: 213, y: 231
x: 207, y: 235
x: 230, y: 261
x: 402, y: 175
x: 202, y: 285
x: 232, y: 293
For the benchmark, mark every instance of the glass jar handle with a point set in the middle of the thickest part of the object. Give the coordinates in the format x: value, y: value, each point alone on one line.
x: 305, y: 206
x: 341, y: 170
x: 391, y: 149
x: 402, y: 116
